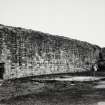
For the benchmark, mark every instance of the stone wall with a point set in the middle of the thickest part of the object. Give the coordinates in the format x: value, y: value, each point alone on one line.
x: 26, y: 52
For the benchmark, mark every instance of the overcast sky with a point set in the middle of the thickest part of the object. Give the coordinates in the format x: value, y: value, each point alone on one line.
x: 79, y: 19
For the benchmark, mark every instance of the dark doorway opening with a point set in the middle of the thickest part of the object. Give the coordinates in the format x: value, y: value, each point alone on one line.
x: 1, y: 70
x: 101, y: 66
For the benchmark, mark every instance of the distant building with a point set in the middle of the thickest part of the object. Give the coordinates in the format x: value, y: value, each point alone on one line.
x: 25, y: 52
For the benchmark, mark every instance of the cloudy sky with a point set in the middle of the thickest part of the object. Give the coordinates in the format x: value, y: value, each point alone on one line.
x: 79, y: 19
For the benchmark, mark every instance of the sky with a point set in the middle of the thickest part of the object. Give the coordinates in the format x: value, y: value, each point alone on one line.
x: 78, y: 19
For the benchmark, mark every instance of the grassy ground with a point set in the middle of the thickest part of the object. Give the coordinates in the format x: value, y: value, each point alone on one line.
x: 27, y: 91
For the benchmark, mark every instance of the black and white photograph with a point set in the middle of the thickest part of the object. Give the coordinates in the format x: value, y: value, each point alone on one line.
x: 52, y: 52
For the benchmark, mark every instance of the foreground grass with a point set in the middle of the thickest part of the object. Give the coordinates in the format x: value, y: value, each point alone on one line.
x: 31, y: 92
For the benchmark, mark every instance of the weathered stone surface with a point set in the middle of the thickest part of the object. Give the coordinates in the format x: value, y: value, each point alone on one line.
x: 26, y: 52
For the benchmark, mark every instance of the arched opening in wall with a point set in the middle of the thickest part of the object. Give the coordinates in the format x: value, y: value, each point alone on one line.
x: 1, y: 70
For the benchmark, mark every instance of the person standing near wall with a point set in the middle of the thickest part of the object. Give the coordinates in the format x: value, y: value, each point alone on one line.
x: 95, y: 68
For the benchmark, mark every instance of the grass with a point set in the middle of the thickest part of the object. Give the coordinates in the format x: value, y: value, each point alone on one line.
x: 30, y: 91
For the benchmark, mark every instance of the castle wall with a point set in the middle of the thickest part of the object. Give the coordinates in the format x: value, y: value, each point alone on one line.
x: 27, y: 53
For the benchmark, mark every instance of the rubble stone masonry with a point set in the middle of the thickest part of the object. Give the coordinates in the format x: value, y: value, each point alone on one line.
x: 25, y: 52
